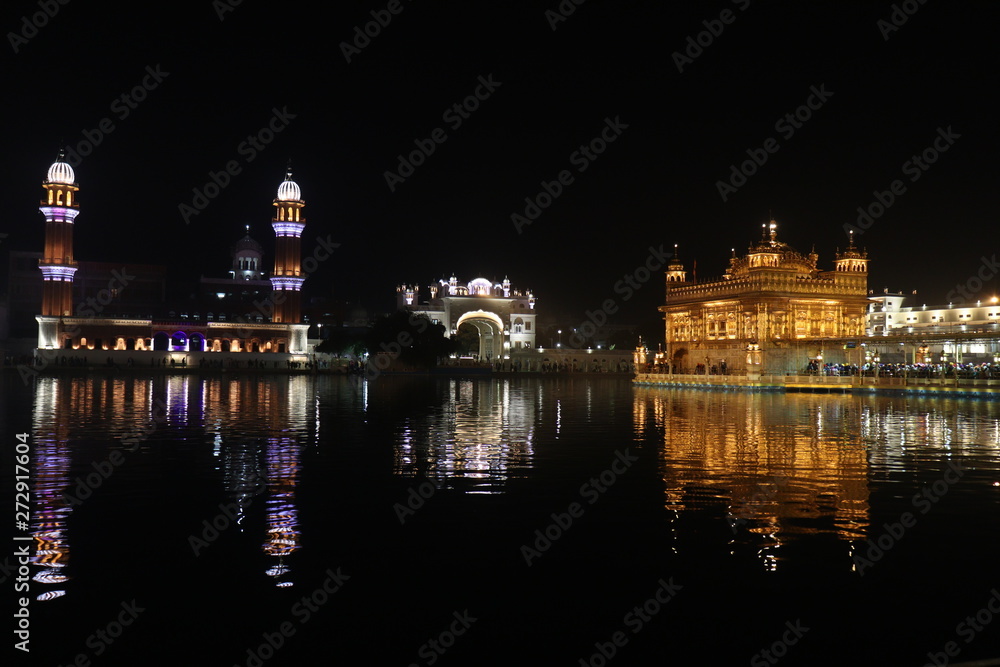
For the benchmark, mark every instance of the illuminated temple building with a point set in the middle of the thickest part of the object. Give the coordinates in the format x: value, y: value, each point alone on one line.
x: 273, y: 323
x: 503, y: 317
x: 771, y: 311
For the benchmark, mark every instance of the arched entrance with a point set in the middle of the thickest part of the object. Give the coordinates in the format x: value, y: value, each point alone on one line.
x: 489, y: 326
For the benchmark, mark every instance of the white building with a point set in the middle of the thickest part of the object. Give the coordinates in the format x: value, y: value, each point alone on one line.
x: 887, y: 315
x: 503, y: 316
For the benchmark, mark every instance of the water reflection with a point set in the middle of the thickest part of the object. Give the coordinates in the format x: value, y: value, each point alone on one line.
x: 777, y: 466
x: 474, y: 438
x: 780, y: 467
x: 52, y: 465
x: 252, y: 431
x: 264, y: 470
x: 905, y: 432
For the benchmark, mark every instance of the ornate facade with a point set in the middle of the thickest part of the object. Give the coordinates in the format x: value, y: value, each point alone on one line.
x: 503, y: 316
x: 65, y: 323
x: 774, y: 298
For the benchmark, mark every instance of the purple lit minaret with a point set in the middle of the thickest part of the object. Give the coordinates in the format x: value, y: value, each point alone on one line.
x: 287, y: 279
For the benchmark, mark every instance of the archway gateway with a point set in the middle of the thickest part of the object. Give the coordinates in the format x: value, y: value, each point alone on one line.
x: 491, y: 332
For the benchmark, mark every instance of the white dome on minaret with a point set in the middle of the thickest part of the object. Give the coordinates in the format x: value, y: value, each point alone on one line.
x: 61, y: 171
x: 289, y: 189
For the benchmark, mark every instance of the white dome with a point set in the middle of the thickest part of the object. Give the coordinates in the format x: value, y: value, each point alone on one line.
x: 480, y: 286
x: 289, y: 189
x: 60, y: 172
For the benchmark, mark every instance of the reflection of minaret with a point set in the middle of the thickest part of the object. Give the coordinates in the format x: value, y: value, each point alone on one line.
x: 261, y: 475
x: 51, y: 466
x: 58, y: 267
x: 287, y: 279
x: 282, y: 515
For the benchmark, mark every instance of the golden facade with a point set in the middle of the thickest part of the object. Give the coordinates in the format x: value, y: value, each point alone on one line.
x: 774, y: 297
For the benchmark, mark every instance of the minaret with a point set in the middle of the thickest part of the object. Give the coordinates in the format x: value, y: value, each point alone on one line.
x: 287, y: 279
x: 57, y: 265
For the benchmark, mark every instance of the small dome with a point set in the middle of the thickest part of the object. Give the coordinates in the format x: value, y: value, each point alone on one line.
x: 247, y: 243
x: 60, y: 171
x: 289, y: 189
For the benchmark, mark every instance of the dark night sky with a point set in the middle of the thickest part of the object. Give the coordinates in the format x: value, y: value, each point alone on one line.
x: 656, y: 184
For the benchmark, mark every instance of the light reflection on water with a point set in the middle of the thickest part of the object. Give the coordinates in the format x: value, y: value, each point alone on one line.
x: 83, y: 424
x: 784, y: 467
x: 775, y: 468
x: 480, y: 434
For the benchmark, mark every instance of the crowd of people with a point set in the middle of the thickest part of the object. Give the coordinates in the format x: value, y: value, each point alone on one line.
x: 983, y: 371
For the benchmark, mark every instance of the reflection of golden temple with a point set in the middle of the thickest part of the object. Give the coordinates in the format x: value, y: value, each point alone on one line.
x: 775, y: 477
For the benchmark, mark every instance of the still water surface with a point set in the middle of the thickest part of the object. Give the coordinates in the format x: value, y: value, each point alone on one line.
x: 503, y: 521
